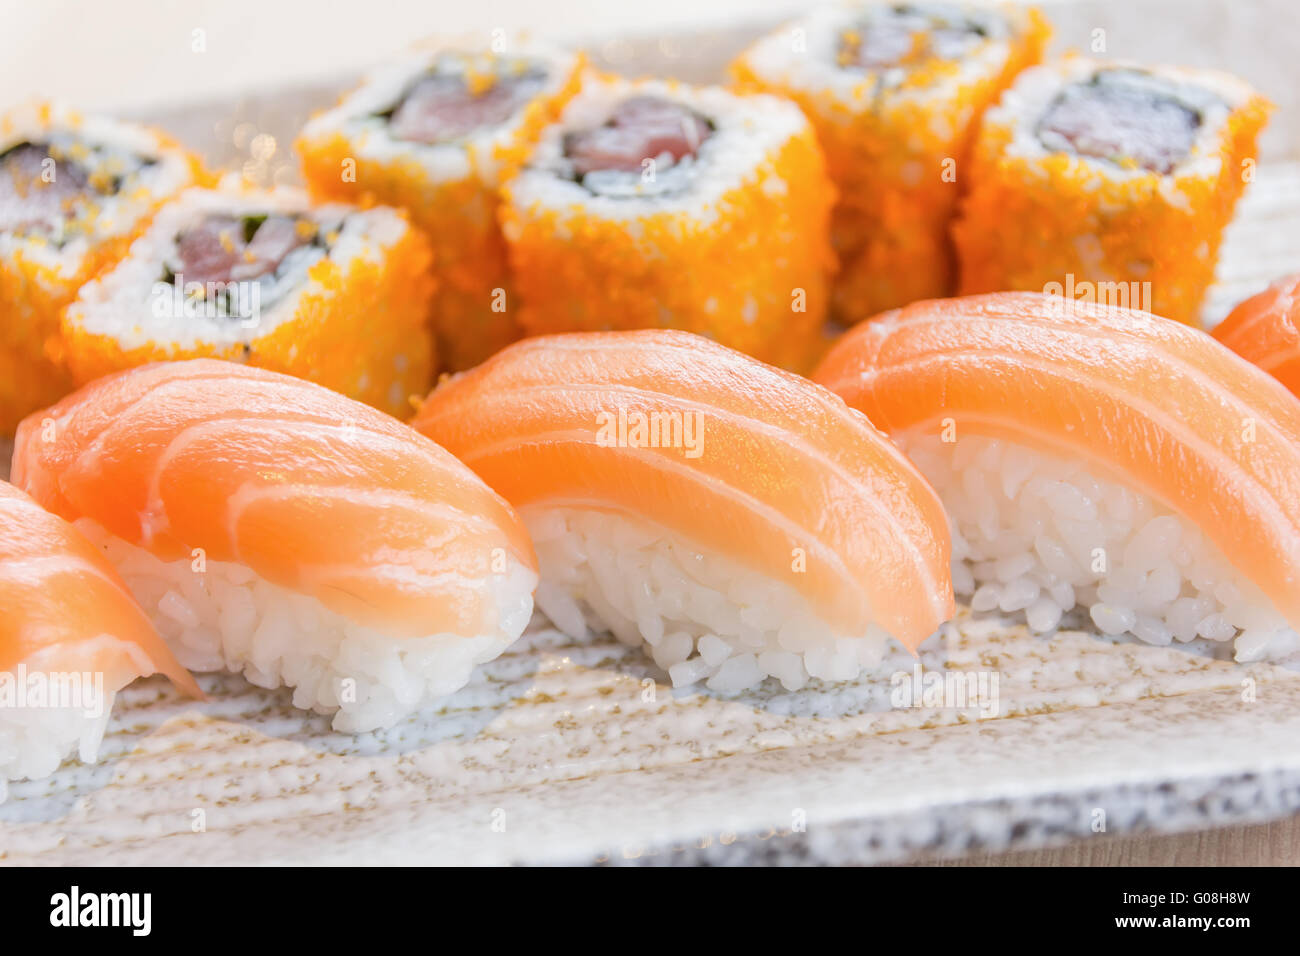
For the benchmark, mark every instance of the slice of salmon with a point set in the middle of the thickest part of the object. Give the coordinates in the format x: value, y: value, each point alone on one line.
x: 310, y: 490
x: 1265, y: 330
x: 774, y: 472
x: 65, y: 605
x: 1150, y: 403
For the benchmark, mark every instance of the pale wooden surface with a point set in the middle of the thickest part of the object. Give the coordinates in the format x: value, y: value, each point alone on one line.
x: 1268, y: 844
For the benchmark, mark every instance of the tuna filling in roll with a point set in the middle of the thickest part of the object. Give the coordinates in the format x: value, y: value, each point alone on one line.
x: 611, y: 160
x: 274, y: 251
x: 1123, y: 116
x: 906, y: 35
x: 444, y: 107
x: 40, y: 190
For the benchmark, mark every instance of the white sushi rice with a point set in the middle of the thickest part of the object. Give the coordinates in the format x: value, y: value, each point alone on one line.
x: 1038, y: 535
x: 702, y: 616
x: 34, y: 741
x: 121, y: 302
x: 748, y: 133
x: 229, y: 618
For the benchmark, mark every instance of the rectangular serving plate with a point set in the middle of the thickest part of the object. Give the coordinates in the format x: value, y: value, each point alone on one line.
x: 564, y: 751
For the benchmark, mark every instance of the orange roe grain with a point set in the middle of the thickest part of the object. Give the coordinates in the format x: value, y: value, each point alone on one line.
x: 361, y: 331
x: 33, y: 296
x: 754, y: 275
x: 1029, y: 222
x: 475, y: 311
x: 899, y: 161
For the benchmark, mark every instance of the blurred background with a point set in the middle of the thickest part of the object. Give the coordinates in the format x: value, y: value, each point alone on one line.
x: 140, y: 53
x: 149, y: 55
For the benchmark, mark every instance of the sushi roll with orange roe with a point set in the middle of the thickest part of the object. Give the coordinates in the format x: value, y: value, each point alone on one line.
x: 895, y: 91
x: 659, y: 205
x: 1116, y: 175
x: 1265, y: 330
x: 329, y: 293
x: 435, y: 132
x: 74, y: 191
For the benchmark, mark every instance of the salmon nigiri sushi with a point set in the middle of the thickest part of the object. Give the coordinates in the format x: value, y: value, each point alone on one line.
x: 1094, y: 457
x: 739, y: 520
x: 1265, y: 329
x: 71, y: 637
x: 273, y: 527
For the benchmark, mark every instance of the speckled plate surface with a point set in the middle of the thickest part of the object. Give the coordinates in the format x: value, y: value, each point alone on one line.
x: 579, y: 752
x: 572, y: 752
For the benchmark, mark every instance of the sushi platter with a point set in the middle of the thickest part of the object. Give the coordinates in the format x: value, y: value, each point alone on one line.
x: 287, y: 709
